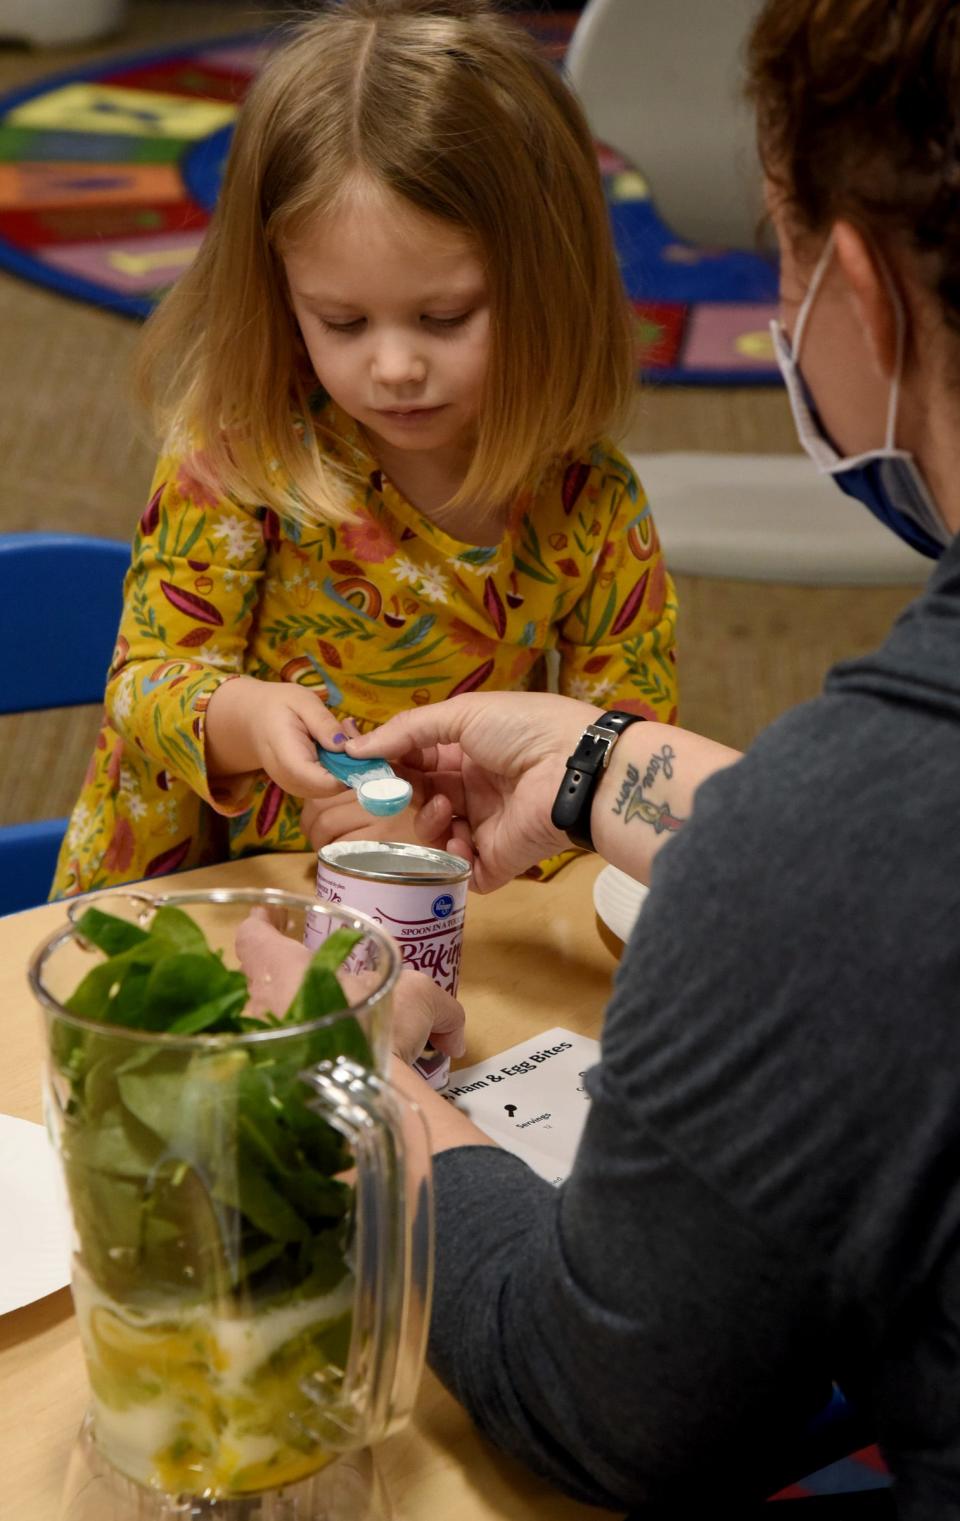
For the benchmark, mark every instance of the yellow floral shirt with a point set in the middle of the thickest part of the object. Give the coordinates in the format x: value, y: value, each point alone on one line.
x: 373, y: 615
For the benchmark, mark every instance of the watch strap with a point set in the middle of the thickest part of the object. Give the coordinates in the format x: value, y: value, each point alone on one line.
x: 574, y: 801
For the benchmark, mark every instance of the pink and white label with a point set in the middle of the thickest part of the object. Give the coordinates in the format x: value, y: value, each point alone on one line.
x: 425, y: 918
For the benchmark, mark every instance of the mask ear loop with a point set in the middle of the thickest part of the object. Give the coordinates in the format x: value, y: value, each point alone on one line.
x: 893, y: 405
x: 806, y: 305
x: 823, y: 263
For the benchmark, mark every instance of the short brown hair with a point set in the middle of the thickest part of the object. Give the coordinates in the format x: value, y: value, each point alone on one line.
x: 858, y: 108
x: 451, y: 107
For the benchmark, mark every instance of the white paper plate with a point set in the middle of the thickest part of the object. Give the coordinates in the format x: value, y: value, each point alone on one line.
x: 618, y: 900
x: 34, y: 1224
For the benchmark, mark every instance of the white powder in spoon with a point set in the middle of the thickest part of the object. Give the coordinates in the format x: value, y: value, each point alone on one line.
x: 386, y: 789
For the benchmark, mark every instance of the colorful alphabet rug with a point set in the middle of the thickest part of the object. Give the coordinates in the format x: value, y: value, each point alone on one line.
x: 108, y: 176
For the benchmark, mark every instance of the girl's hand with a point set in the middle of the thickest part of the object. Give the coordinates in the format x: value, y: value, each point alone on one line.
x: 273, y: 726
x: 275, y: 966
x: 493, y: 764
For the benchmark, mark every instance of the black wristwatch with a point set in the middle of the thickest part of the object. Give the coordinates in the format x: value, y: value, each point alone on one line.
x: 573, y: 803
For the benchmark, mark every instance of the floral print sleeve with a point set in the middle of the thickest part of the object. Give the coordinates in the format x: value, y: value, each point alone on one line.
x: 190, y: 599
x: 189, y: 602
x: 617, y: 644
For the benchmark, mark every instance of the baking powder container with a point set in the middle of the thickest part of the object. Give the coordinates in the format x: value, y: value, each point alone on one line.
x: 418, y: 895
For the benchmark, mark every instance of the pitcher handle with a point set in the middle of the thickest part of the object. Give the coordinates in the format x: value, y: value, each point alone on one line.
x: 393, y: 1257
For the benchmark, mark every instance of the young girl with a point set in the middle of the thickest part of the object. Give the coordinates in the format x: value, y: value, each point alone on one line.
x: 384, y: 386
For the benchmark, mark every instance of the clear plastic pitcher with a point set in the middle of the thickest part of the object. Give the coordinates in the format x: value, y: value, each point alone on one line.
x: 252, y: 1224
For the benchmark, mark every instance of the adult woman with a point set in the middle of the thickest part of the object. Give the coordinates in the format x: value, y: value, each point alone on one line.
x: 767, y: 1197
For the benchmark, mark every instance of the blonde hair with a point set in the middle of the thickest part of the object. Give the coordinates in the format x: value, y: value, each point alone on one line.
x: 451, y: 107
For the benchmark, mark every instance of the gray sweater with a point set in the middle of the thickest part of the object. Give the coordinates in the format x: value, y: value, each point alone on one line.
x: 767, y: 1195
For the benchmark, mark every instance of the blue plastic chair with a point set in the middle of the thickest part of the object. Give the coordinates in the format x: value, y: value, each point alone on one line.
x: 60, y: 600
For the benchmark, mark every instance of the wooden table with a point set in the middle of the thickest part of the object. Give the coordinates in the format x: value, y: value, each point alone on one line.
x: 533, y: 958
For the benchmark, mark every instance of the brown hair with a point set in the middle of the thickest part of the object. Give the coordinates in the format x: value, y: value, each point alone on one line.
x: 451, y: 107
x: 858, y: 109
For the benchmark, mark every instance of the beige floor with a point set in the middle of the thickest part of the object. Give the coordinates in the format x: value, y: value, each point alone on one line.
x: 74, y: 457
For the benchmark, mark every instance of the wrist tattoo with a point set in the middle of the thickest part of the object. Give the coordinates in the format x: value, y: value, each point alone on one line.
x: 632, y: 804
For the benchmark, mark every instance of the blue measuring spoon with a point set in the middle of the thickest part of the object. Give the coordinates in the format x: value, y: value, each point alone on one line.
x: 378, y: 787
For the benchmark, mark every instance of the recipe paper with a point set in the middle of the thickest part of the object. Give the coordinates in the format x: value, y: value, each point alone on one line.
x: 531, y: 1099
x: 34, y: 1221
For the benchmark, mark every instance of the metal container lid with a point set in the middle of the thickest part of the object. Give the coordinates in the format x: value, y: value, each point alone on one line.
x: 386, y: 861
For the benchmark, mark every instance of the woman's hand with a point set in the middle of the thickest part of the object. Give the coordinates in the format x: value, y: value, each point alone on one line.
x: 273, y: 726
x: 492, y: 765
x: 423, y: 1012
x: 275, y: 966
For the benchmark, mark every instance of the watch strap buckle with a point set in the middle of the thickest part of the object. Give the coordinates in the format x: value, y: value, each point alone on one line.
x: 606, y: 737
x: 573, y: 802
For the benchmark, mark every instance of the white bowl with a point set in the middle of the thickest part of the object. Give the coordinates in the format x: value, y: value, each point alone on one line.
x: 618, y: 900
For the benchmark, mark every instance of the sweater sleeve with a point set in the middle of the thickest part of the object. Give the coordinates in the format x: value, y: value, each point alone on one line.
x: 626, y: 1336
x: 190, y: 598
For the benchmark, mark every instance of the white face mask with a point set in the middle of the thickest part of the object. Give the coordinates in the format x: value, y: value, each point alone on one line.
x: 886, y: 480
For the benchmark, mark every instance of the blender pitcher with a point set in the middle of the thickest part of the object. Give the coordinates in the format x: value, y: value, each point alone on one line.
x: 252, y: 1231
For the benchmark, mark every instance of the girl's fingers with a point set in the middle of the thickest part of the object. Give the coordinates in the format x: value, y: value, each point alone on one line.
x: 434, y: 821
x: 346, y: 730
x: 449, y: 785
x: 330, y: 820
x: 290, y: 758
x: 307, y: 724
x: 325, y: 727
x: 437, y: 825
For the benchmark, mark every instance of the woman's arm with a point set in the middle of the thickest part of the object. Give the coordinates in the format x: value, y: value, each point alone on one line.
x: 496, y: 762
x: 446, y: 1125
x: 646, y: 793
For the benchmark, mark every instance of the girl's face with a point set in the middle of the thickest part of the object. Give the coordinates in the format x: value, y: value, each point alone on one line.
x: 393, y: 308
